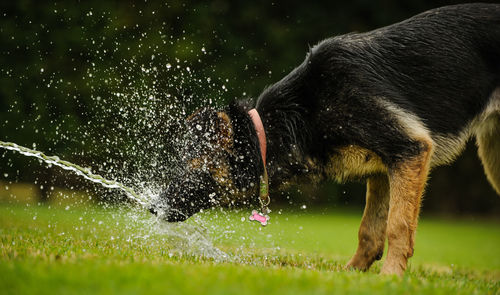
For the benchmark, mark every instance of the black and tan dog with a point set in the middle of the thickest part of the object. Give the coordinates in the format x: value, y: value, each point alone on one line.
x: 386, y: 106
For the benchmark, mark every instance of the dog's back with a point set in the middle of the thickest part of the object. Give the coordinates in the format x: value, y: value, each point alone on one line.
x: 455, y: 97
x: 448, y: 61
x: 435, y: 72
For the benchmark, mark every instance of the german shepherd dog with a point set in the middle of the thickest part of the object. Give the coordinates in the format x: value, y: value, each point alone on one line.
x: 384, y: 106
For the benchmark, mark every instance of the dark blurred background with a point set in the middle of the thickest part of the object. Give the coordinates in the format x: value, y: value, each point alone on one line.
x: 59, y: 61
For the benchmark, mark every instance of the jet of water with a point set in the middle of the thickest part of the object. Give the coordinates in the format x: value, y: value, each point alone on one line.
x: 78, y: 170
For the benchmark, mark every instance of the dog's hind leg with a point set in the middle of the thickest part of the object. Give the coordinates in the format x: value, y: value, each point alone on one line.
x: 371, y: 233
x: 407, y: 181
x: 488, y: 142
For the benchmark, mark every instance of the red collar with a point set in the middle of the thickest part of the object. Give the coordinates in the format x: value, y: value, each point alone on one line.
x: 264, y: 199
x: 261, y: 134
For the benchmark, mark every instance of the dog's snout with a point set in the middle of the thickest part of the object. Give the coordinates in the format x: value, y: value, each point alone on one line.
x: 172, y: 206
x: 153, y: 211
x: 184, y: 196
x: 175, y: 216
x: 168, y: 213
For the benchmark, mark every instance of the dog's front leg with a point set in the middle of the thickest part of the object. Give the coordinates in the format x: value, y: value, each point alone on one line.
x: 407, y: 181
x: 371, y: 233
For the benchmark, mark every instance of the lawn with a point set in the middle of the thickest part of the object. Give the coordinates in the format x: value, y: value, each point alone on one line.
x: 90, y: 249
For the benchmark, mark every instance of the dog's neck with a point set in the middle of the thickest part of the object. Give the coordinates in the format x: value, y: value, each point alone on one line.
x: 284, y: 109
x: 287, y: 135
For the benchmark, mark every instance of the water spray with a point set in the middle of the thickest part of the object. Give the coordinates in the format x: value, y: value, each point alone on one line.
x: 81, y: 171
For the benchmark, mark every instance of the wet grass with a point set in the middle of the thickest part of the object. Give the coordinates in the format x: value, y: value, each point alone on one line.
x: 93, y: 250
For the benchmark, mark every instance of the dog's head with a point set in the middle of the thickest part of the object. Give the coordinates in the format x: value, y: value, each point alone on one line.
x: 220, y: 161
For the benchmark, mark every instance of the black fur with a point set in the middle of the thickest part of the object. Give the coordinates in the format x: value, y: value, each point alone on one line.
x: 441, y: 65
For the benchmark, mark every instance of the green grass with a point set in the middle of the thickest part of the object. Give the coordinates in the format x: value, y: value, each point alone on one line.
x: 93, y: 250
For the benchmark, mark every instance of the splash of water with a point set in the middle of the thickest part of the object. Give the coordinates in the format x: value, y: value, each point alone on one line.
x: 138, y: 99
x: 185, y: 237
x: 78, y: 170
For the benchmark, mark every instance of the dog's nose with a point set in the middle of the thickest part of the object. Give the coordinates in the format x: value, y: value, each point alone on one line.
x: 169, y: 215
x: 158, y: 209
x: 175, y: 216
x: 153, y: 211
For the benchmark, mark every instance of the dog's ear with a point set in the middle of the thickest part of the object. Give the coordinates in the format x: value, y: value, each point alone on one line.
x: 224, y: 131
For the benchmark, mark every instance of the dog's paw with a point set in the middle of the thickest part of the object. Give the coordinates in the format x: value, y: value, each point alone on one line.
x: 357, y: 263
x: 392, y: 269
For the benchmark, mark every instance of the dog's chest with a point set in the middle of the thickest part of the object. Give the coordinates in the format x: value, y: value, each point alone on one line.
x: 352, y: 162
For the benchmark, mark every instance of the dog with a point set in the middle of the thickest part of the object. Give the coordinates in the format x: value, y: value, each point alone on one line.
x: 385, y: 106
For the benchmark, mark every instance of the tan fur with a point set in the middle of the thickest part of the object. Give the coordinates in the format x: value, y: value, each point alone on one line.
x: 221, y: 174
x: 407, y: 182
x: 232, y: 194
x: 353, y: 161
x: 225, y: 131
x: 218, y: 169
x: 216, y: 165
x: 372, y: 231
x: 488, y: 142
x: 446, y: 146
x: 190, y: 117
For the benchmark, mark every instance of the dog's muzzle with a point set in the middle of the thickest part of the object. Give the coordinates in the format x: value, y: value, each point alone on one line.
x: 183, y: 197
x: 169, y: 215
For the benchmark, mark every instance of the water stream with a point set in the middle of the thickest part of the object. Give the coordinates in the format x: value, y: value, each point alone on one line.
x: 78, y: 170
x: 186, y: 238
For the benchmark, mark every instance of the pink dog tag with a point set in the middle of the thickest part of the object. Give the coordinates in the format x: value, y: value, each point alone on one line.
x: 259, y: 217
